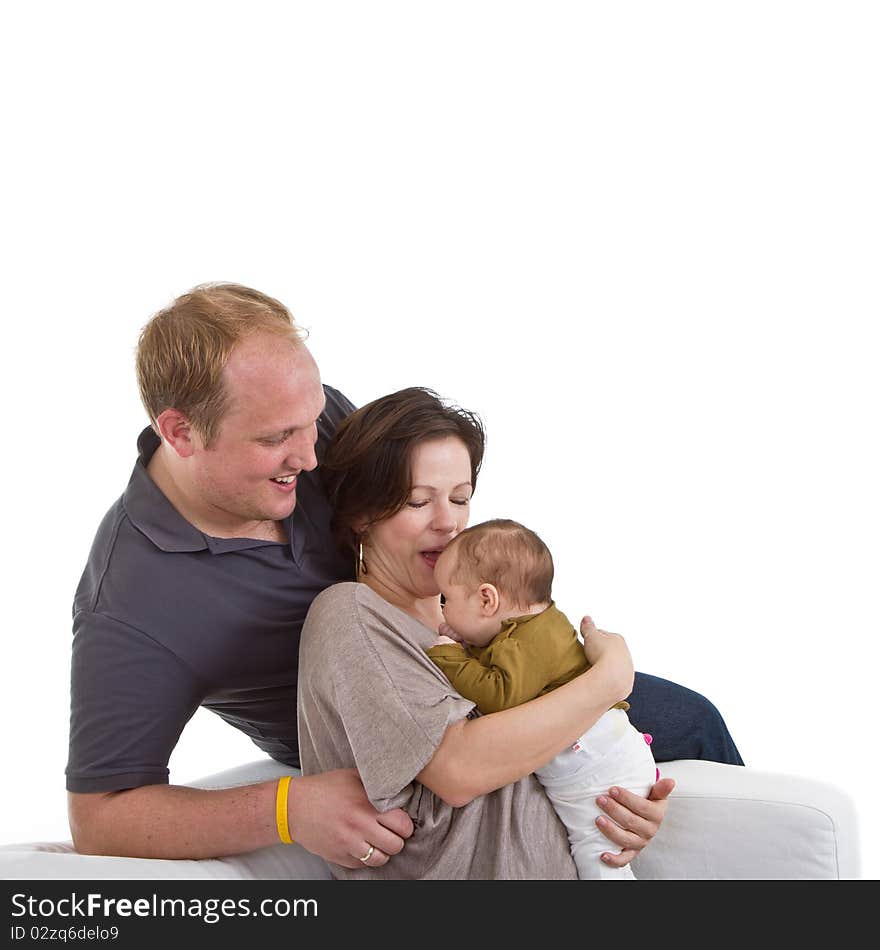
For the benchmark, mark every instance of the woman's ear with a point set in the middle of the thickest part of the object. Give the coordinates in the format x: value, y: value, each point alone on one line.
x: 359, y: 529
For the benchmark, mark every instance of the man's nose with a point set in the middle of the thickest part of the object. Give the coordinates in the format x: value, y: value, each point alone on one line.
x: 302, y: 451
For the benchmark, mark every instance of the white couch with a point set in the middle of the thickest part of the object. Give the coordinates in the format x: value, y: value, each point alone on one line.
x: 723, y: 822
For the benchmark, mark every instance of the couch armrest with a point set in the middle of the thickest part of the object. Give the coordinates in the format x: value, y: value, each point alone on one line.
x: 723, y: 822
x: 263, y: 770
x: 733, y: 823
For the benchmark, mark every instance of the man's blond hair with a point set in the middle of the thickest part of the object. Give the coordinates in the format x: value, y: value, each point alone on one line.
x: 184, y: 348
x: 507, y: 555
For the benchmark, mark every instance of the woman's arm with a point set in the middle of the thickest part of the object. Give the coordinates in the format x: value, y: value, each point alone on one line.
x: 480, y: 755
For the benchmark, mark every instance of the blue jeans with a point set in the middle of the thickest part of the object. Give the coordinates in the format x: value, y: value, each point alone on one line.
x: 684, y: 724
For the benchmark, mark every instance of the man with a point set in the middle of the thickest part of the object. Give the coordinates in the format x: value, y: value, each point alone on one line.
x: 195, y: 591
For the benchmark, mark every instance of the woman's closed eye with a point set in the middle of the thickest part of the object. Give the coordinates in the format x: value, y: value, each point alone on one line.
x: 455, y: 501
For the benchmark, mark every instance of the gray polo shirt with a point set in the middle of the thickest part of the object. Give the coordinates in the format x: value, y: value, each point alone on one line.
x: 167, y: 619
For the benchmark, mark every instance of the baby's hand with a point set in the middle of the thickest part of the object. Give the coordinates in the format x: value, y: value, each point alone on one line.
x: 441, y: 640
x: 447, y: 633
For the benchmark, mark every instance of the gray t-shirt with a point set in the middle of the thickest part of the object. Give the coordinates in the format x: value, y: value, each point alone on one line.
x: 167, y: 618
x: 370, y: 698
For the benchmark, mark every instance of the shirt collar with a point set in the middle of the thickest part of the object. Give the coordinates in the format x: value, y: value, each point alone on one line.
x: 154, y: 515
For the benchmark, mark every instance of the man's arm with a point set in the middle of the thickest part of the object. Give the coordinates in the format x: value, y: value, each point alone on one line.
x: 328, y: 814
x: 125, y: 685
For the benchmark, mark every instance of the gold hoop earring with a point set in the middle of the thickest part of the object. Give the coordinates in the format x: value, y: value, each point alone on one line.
x: 359, y: 566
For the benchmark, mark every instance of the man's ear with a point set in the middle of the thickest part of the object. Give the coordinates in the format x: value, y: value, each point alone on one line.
x: 177, y: 431
x: 490, y: 599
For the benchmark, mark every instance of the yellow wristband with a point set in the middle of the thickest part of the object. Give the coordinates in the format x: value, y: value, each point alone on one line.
x: 281, y: 810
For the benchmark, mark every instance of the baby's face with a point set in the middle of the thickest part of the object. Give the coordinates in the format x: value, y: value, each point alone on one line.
x: 461, y: 605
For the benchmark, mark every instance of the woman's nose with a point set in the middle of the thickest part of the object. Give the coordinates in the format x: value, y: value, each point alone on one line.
x: 444, y: 519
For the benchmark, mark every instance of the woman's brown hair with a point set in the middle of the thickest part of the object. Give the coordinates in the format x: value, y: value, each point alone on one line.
x: 367, y: 468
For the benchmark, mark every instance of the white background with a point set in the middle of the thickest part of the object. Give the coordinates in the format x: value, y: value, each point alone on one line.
x: 640, y: 239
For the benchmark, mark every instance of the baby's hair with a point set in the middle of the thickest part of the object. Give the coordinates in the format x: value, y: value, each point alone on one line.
x: 506, y: 554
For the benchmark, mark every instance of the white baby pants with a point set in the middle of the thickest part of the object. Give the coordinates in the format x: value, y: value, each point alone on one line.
x: 613, y: 752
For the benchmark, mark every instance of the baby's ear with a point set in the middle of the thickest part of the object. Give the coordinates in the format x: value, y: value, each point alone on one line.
x: 490, y: 599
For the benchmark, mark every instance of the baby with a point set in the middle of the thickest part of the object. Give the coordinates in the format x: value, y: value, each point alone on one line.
x: 504, y: 643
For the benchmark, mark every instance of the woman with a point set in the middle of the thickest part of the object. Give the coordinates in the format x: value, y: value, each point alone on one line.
x: 400, y: 473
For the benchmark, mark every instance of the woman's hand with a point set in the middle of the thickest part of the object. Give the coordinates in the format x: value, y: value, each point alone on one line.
x: 611, y: 652
x: 635, y: 819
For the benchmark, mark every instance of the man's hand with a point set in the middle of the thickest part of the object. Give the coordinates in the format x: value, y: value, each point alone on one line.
x: 635, y: 819
x: 330, y: 815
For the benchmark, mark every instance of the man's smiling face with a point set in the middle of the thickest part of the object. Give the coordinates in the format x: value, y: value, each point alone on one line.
x: 267, y: 436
